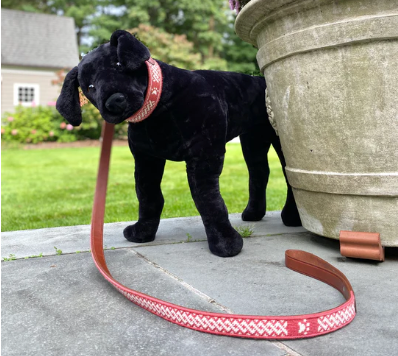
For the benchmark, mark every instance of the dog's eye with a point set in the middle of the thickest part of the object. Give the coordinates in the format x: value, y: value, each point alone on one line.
x: 91, y: 87
x: 118, y: 64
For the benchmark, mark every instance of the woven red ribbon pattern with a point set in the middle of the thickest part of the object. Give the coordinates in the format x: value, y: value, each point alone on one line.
x: 255, y: 327
x: 154, y: 90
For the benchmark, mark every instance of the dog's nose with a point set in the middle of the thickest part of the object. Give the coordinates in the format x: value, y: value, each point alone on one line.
x: 116, y: 103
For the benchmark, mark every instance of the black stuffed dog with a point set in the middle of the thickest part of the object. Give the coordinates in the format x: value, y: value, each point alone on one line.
x: 198, y: 112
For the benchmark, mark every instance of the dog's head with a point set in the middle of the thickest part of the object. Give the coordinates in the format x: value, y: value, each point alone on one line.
x: 113, y: 77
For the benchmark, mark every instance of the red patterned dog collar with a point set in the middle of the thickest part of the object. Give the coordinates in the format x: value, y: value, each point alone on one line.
x: 154, y: 90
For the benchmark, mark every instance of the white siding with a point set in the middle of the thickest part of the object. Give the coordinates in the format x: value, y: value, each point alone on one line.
x: 43, y: 78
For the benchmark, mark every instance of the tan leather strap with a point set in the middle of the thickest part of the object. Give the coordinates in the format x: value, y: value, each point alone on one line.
x: 247, y: 326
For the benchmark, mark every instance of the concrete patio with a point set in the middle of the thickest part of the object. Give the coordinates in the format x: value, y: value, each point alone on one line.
x: 59, y: 304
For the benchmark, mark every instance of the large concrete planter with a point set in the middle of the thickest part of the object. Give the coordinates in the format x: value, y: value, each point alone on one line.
x: 332, y: 74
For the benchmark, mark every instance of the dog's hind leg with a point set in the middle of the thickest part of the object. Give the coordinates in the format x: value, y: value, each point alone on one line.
x: 290, y: 215
x: 255, y: 149
x: 203, y: 178
x: 148, y: 176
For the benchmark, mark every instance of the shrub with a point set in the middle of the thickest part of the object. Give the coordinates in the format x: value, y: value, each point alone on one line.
x: 91, y: 126
x: 34, y: 125
x: 44, y: 123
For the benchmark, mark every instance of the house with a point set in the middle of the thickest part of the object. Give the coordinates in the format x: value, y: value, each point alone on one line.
x: 33, y: 48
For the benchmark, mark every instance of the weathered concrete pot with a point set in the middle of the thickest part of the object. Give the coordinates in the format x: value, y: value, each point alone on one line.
x: 332, y: 74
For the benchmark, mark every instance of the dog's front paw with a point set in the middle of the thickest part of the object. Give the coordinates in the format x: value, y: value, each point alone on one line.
x: 140, y: 233
x: 225, y: 245
x: 252, y: 214
x: 255, y: 210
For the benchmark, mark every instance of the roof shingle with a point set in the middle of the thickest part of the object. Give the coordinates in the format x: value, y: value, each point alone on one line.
x: 38, y: 40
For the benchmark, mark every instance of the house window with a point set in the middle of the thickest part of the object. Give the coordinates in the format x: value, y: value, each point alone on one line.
x: 26, y: 94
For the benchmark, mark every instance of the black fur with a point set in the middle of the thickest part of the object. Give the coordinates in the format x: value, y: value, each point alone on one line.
x: 198, y: 112
x: 68, y: 103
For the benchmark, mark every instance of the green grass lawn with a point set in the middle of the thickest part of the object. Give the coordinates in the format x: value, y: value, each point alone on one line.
x: 55, y: 187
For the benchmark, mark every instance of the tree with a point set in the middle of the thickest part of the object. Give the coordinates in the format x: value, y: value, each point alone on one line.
x: 26, y: 5
x: 202, y: 22
x: 175, y: 50
x: 240, y: 55
x: 207, y: 24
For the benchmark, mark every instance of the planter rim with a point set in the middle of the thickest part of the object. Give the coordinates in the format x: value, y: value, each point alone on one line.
x: 252, y: 13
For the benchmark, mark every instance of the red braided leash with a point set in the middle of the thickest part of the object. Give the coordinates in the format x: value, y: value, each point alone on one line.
x: 247, y: 326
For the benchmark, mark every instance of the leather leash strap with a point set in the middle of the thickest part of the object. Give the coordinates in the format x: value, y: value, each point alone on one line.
x: 246, y: 326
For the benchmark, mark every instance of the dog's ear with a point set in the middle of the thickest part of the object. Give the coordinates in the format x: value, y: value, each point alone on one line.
x: 68, y: 103
x: 131, y: 52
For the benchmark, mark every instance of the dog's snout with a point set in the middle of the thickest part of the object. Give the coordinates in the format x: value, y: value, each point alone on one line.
x: 116, y: 103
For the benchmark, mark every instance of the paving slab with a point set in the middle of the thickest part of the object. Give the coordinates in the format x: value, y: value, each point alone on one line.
x: 70, y: 239
x: 60, y: 304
